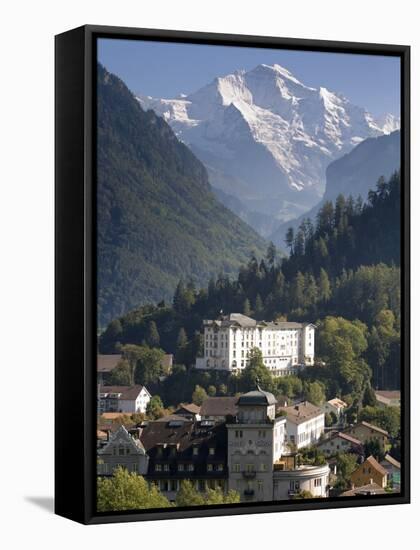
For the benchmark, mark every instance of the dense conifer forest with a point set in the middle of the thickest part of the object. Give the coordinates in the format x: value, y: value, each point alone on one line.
x: 343, y: 274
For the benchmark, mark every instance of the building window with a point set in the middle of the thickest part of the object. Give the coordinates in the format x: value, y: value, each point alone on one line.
x: 250, y: 468
x: 158, y: 467
x: 263, y: 467
x: 166, y: 467
x: 260, y: 485
x: 195, y: 451
x: 211, y: 451
x: 220, y: 467
x: 121, y: 451
x: 318, y: 482
x: 238, y: 433
x: 237, y: 467
x: 180, y: 467
x: 209, y: 467
x: 134, y: 467
x: 190, y: 467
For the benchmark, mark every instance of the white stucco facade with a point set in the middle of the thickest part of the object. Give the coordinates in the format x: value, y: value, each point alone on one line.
x: 288, y: 483
x: 304, y: 425
x: 255, y: 442
x: 285, y: 346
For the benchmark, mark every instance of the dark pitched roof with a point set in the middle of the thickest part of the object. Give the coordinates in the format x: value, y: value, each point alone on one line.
x: 219, y: 406
x: 348, y: 438
x: 395, y: 394
x: 364, y: 490
x: 301, y: 412
x: 173, y: 443
x: 375, y: 464
x: 391, y: 460
x: 106, y: 363
x: 172, y: 417
x: 257, y: 397
x: 373, y: 427
x: 190, y: 408
x: 126, y: 392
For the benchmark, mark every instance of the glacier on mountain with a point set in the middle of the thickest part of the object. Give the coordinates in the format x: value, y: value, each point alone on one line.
x: 266, y: 138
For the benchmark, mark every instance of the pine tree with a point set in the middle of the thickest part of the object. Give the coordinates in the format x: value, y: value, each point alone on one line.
x: 290, y: 239
x: 259, y: 307
x: 271, y: 254
x: 324, y: 286
x: 246, y: 308
x: 152, y: 338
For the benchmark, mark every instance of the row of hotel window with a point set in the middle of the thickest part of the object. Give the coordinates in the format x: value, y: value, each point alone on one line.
x: 209, y: 353
x: 246, y: 335
x: 189, y: 467
x: 123, y: 450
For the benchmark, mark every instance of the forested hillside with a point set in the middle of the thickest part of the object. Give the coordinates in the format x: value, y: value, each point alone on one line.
x: 157, y: 216
x: 353, y: 174
x: 343, y: 273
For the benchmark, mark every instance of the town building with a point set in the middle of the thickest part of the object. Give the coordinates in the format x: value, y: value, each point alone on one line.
x: 393, y: 469
x: 246, y: 452
x: 121, y: 449
x: 289, y: 481
x: 370, y: 471
x: 106, y: 364
x: 368, y: 432
x: 185, y: 450
x: 388, y: 398
x: 219, y: 408
x: 370, y: 489
x: 336, y: 406
x: 126, y: 399
x: 285, y: 346
x: 255, y: 443
x: 191, y: 411
x: 339, y: 442
x: 305, y: 424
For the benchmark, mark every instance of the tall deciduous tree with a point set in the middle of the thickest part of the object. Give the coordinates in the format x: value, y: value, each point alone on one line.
x: 127, y: 491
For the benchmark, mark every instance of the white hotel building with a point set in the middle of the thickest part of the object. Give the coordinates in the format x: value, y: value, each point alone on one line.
x: 285, y: 346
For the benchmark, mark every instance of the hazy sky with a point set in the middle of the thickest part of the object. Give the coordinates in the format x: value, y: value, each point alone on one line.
x: 165, y: 70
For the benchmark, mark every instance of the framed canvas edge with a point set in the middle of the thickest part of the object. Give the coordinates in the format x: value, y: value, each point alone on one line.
x: 85, y: 395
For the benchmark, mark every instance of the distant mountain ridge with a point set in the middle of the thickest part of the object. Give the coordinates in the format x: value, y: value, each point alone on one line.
x: 266, y: 138
x: 158, y: 220
x: 354, y: 174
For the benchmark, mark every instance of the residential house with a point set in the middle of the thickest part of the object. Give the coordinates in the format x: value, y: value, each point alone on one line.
x: 339, y: 442
x: 365, y: 490
x: 188, y: 410
x: 126, y: 399
x: 219, y: 408
x: 370, y: 471
x: 393, y: 469
x: 388, y: 398
x: 336, y: 406
x: 122, y: 449
x: 105, y: 364
x: 368, y: 432
x: 304, y: 424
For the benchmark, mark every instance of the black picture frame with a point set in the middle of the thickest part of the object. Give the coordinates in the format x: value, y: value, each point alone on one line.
x: 75, y: 290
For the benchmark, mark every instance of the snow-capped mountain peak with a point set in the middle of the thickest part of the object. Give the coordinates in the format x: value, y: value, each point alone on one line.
x: 264, y: 135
